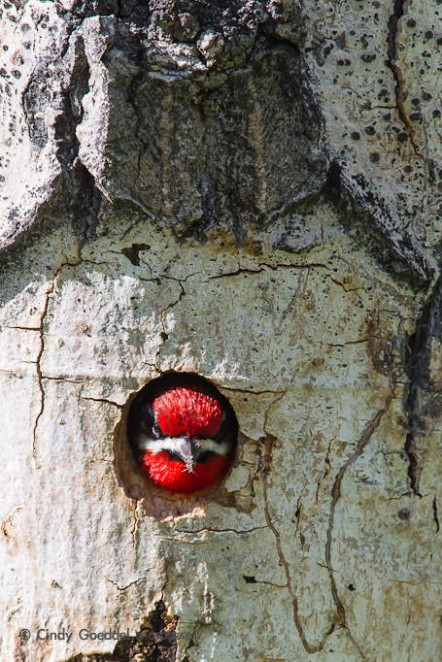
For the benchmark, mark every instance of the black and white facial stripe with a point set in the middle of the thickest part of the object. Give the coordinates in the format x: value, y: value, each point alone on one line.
x: 183, y: 449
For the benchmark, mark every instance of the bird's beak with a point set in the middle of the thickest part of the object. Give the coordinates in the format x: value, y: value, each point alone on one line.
x: 189, y: 454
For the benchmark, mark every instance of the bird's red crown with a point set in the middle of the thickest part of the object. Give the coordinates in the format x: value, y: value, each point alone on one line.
x: 183, y: 411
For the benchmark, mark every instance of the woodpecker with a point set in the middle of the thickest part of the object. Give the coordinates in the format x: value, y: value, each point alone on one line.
x: 184, y: 436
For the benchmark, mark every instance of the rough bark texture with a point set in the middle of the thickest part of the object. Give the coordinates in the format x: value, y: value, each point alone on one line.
x: 248, y: 190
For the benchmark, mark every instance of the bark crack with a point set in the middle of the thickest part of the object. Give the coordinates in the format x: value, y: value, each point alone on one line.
x: 250, y: 579
x: 237, y: 272
x: 61, y: 379
x: 346, y: 289
x: 171, y: 305
x: 267, y: 459
x: 359, y: 341
x: 308, y: 647
x: 436, y: 515
x: 122, y: 588
x: 399, y: 9
x: 105, y: 400
x: 235, y: 389
x: 363, y: 441
x: 23, y: 328
x: 7, y: 521
x: 207, y: 529
x: 261, y: 266
x: 40, y: 376
x: 326, y: 471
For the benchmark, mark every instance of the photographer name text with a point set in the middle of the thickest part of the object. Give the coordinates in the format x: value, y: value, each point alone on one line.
x: 44, y: 634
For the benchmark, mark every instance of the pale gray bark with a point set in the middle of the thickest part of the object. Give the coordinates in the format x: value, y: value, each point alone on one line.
x: 249, y: 191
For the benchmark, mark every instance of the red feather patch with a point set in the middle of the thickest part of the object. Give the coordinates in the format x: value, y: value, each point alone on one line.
x: 183, y: 411
x: 174, y: 477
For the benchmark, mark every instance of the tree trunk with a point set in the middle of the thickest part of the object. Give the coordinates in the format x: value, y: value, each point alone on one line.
x: 247, y: 191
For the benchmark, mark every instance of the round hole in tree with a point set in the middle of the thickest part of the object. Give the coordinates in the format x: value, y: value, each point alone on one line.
x: 183, y: 433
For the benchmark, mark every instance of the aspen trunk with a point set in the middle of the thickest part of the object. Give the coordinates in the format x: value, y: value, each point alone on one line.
x: 249, y: 191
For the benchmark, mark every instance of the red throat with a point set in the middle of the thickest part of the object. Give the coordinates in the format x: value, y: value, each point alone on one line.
x: 174, y: 477
x: 184, y: 411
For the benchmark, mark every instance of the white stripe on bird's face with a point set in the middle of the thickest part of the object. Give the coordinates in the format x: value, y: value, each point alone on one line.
x: 189, y: 450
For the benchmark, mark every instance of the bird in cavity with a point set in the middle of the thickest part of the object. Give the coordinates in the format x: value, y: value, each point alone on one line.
x: 184, y: 438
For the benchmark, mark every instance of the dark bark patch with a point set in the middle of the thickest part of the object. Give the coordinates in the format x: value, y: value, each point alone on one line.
x: 424, y: 401
x: 369, y: 222
x: 133, y: 253
x: 155, y: 642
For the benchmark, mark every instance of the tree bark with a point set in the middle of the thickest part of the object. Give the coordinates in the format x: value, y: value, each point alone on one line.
x: 249, y: 191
